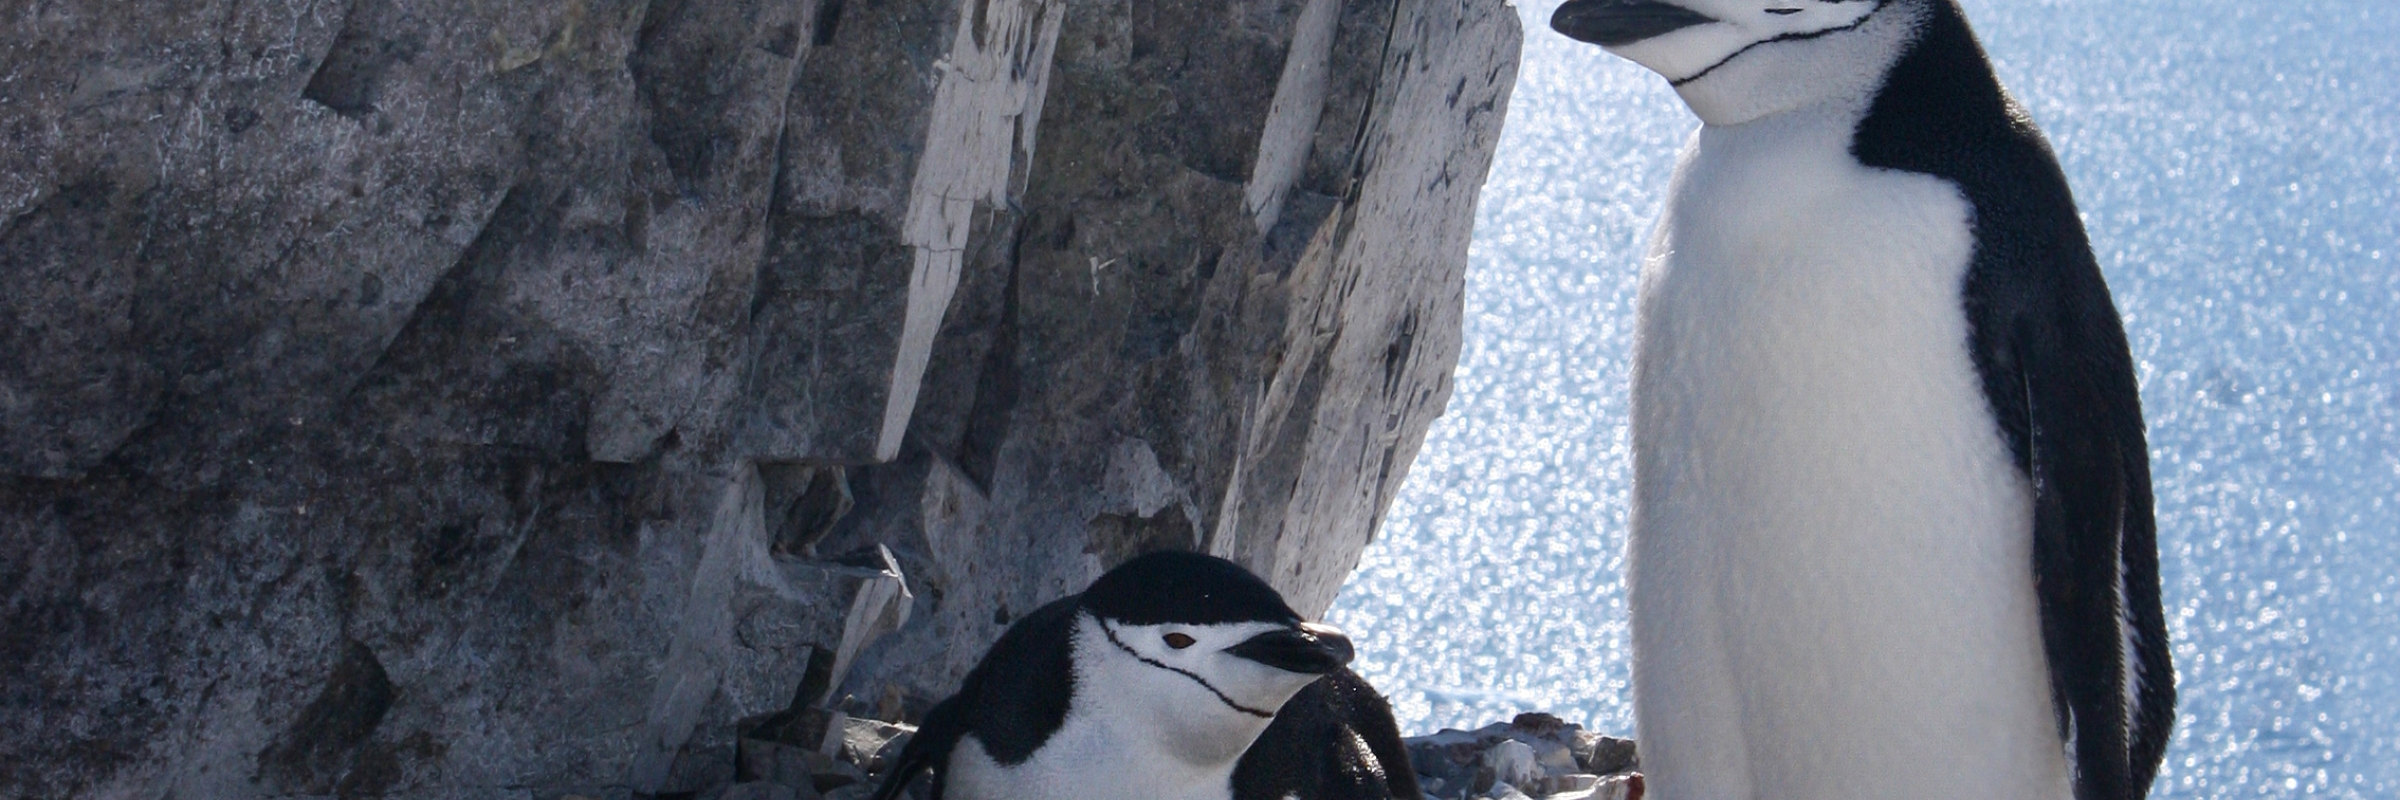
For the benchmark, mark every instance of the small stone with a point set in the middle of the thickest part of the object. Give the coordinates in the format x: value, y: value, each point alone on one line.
x: 1622, y: 786
x: 1451, y: 757
x: 1514, y: 763
x: 1538, y: 723
x: 871, y: 744
x: 1582, y: 743
x: 1610, y: 755
x: 1554, y: 756
x: 837, y: 731
x: 1553, y: 786
x: 1625, y: 786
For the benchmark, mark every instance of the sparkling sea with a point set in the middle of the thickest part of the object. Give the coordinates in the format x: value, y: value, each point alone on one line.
x: 2236, y: 165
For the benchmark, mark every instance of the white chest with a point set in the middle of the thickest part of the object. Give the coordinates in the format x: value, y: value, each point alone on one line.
x: 1082, y: 761
x: 1830, y: 561
x: 1802, y: 332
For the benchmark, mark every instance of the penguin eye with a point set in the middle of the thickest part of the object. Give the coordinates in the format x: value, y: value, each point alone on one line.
x: 1178, y: 641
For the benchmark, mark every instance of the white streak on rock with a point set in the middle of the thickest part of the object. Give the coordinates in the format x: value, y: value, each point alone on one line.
x: 984, y: 110
x: 1292, y: 121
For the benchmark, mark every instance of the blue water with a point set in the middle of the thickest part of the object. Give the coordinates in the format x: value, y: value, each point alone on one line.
x: 2236, y: 162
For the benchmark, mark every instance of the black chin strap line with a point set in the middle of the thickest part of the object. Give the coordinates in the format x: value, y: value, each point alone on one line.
x: 1788, y: 37
x: 1111, y: 633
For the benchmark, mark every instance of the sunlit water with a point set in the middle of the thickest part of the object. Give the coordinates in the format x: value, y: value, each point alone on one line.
x: 2235, y: 161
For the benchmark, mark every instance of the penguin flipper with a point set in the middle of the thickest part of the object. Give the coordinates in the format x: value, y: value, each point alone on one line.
x: 2095, y: 546
x: 1335, y: 740
x: 1371, y: 717
x: 2059, y: 376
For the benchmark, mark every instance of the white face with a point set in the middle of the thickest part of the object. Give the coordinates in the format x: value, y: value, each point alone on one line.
x: 1181, y: 682
x: 1738, y: 60
x: 1740, y: 25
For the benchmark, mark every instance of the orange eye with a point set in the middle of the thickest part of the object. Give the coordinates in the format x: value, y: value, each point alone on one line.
x: 1178, y: 641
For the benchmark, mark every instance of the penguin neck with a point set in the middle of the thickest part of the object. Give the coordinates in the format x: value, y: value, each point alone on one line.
x: 1786, y: 154
x: 1834, y: 74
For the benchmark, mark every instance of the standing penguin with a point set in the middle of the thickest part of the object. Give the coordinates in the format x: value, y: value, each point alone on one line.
x: 1892, y: 532
x: 1153, y: 683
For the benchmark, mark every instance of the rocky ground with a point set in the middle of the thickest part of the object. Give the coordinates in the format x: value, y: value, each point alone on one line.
x: 829, y: 755
x: 1535, y: 755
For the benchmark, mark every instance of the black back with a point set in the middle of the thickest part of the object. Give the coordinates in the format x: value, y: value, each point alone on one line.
x: 1012, y: 701
x: 1189, y: 588
x: 1335, y: 740
x: 2055, y: 367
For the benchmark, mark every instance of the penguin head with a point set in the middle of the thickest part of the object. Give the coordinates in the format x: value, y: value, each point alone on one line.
x: 1197, y: 650
x: 1734, y: 61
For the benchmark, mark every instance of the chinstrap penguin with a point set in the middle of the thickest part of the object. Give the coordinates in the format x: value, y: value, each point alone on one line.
x: 1152, y: 683
x: 1892, y: 532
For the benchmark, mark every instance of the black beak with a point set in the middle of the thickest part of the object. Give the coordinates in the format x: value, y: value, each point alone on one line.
x: 1609, y: 23
x: 1310, y: 649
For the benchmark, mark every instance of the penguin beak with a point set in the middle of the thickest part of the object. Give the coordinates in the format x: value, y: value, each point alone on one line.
x: 1609, y: 23
x: 1310, y: 649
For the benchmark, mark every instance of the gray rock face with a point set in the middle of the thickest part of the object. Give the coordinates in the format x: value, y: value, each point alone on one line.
x: 437, y: 398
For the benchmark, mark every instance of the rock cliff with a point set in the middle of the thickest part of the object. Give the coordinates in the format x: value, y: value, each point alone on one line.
x: 445, y: 398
